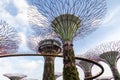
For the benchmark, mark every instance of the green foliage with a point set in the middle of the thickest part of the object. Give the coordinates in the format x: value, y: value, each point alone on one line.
x: 49, y: 69
x: 69, y: 71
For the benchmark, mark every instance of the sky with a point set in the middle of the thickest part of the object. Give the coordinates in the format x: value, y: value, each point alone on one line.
x: 15, y: 13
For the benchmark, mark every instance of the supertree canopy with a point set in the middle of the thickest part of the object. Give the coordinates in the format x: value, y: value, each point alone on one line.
x: 70, y: 19
x: 9, y: 40
x: 109, y: 53
x: 13, y: 76
x: 72, y: 16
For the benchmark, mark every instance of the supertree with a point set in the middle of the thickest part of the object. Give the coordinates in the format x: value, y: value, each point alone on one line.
x: 14, y: 76
x: 68, y: 19
x: 109, y: 53
x: 57, y: 75
x: 45, y: 45
x: 9, y: 40
x: 49, y: 46
x: 86, y: 66
x: 28, y: 79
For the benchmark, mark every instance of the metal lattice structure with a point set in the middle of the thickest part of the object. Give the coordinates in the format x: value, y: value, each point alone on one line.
x: 109, y: 53
x: 88, y: 12
x: 9, y: 40
x: 70, y: 19
x: 13, y: 76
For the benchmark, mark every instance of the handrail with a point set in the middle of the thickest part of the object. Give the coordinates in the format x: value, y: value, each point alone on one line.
x: 55, y: 55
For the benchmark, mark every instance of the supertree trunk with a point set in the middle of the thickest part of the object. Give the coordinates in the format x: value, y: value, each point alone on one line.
x: 69, y: 71
x: 49, y: 69
x: 88, y: 74
x: 115, y: 72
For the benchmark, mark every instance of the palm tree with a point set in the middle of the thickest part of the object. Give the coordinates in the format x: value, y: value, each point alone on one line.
x: 68, y: 18
x: 109, y: 53
x: 49, y: 46
x: 12, y: 76
x: 86, y: 66
x: 9, y: 39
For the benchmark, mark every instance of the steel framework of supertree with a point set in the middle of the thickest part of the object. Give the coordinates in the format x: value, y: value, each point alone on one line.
x: 109, y: 53
x: 13, y: 76
x: 86, y: 66
x: 70, y: 19
x: 9, y: 40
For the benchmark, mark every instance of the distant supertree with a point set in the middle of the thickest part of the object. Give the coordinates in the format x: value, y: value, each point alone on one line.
x: 57, y: 75
x: 49, y: 46
x: 9, y: 40
x: 109, y: 53
x: 87, y: 66
x: 14, y: 76
x: 29, y: 79
x: 68, y: 19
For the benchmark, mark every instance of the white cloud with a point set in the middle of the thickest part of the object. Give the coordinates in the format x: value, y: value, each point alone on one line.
x: 36, y: 18
x: 110, y: 16
x: 21, y: 65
